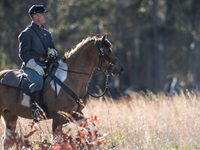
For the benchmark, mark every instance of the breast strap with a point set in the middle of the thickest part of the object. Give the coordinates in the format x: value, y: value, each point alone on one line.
x: 69, y: 91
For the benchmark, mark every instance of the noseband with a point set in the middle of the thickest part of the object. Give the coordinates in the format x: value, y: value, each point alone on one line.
x: 103, y: 55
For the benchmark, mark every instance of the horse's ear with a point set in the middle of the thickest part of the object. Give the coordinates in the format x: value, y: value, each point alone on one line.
x: 104, y: 37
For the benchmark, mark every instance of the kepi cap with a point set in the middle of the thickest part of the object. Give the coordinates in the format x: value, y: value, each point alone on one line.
x: 36, y: 9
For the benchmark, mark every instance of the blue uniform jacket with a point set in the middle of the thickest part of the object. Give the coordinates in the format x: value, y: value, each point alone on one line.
x: 31, y: 46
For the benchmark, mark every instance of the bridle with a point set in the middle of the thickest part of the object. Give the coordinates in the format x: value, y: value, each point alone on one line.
x: 102, y: 57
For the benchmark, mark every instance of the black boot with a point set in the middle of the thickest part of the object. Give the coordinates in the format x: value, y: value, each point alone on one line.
x: 37, y: 111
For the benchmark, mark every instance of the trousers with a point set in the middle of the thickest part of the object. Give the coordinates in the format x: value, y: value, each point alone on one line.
x: 36, y: 79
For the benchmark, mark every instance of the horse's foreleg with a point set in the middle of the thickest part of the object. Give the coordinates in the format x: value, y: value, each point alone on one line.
x: 58, y: 121
x: 10, y: 120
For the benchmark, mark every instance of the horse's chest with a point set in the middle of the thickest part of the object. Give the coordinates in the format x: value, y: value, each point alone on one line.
x: 60, y: 74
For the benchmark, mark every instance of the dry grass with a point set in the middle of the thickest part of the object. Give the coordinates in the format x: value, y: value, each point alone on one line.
x: 140, y: 122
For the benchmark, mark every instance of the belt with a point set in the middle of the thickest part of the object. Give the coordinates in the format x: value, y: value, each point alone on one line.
x: 40, y: 59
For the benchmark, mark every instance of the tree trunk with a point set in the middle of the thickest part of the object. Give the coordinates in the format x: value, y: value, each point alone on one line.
x: 155, y: 47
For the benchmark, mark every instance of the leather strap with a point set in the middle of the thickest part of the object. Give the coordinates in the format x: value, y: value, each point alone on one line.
x: 21, y: 77
x: 69, y: 91
x: 39, y: 38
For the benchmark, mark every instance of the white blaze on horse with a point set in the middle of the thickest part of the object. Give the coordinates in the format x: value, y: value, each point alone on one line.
x: 89, y: 54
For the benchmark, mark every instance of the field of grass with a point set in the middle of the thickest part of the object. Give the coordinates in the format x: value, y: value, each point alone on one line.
x: 139, y: 122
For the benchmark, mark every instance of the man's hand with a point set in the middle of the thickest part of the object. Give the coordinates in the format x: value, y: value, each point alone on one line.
x: 52, y: 51
x: 39, y: 70
x: 32, y: 64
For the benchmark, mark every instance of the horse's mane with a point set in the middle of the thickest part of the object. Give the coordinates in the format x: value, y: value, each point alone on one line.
x: 78, y: 46
x: 84, y: 42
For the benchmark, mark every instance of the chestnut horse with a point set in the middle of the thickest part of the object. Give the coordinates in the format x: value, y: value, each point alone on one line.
x: 89, y: 54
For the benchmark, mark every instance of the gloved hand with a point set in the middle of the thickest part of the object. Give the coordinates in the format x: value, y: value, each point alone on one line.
x: 32, y: 64
x: 52, y: 51
x: 39, y: 70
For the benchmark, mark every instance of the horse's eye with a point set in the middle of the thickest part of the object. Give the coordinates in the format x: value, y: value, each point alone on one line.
x: 109, y: 50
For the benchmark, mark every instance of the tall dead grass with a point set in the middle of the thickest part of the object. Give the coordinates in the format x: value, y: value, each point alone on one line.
x: 139, y: 121
x: 149, y: 121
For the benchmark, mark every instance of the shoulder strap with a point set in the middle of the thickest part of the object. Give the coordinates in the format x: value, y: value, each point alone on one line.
x: 39, y: 37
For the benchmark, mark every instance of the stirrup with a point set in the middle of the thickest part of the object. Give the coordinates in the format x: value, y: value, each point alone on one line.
x: 38, y: 113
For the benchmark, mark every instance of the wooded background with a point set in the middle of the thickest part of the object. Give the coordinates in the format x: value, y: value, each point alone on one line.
x: 151, y: 38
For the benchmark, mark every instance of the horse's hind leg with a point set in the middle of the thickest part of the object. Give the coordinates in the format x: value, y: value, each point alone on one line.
x: 10, y: 120
x: 1, y: 111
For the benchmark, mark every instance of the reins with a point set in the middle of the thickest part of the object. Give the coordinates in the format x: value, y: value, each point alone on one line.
x: 106, y: 87
x: 107, y: 73
x: 82, y: 72
x: 102, y: 55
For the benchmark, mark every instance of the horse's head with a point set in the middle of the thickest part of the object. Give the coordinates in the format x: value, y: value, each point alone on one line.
x: 107, y: 60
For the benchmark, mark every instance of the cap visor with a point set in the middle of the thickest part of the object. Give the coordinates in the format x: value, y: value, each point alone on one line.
x: 41, y: 11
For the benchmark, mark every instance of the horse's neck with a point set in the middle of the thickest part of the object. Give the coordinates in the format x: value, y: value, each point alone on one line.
x: 82, y: 60
x: 75, y: 81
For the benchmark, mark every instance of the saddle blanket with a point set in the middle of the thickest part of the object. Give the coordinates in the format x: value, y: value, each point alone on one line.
x: 12, y: 78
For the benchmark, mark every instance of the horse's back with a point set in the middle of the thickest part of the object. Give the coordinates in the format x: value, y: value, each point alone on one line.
x: 3, y: 72
x: 2, y: 86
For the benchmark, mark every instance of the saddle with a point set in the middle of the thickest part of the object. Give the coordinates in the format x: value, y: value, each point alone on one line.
x: 19, y: 79
x: 12, y: 79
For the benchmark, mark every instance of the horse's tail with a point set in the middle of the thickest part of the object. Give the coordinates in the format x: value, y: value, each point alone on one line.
x: 2, y: 126
x: 2, y: 122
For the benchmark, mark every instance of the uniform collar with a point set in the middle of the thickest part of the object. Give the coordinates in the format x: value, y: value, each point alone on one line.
x: 36, y: 26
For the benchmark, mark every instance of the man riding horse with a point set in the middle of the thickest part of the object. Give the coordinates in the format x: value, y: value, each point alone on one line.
x: 35, y: 44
